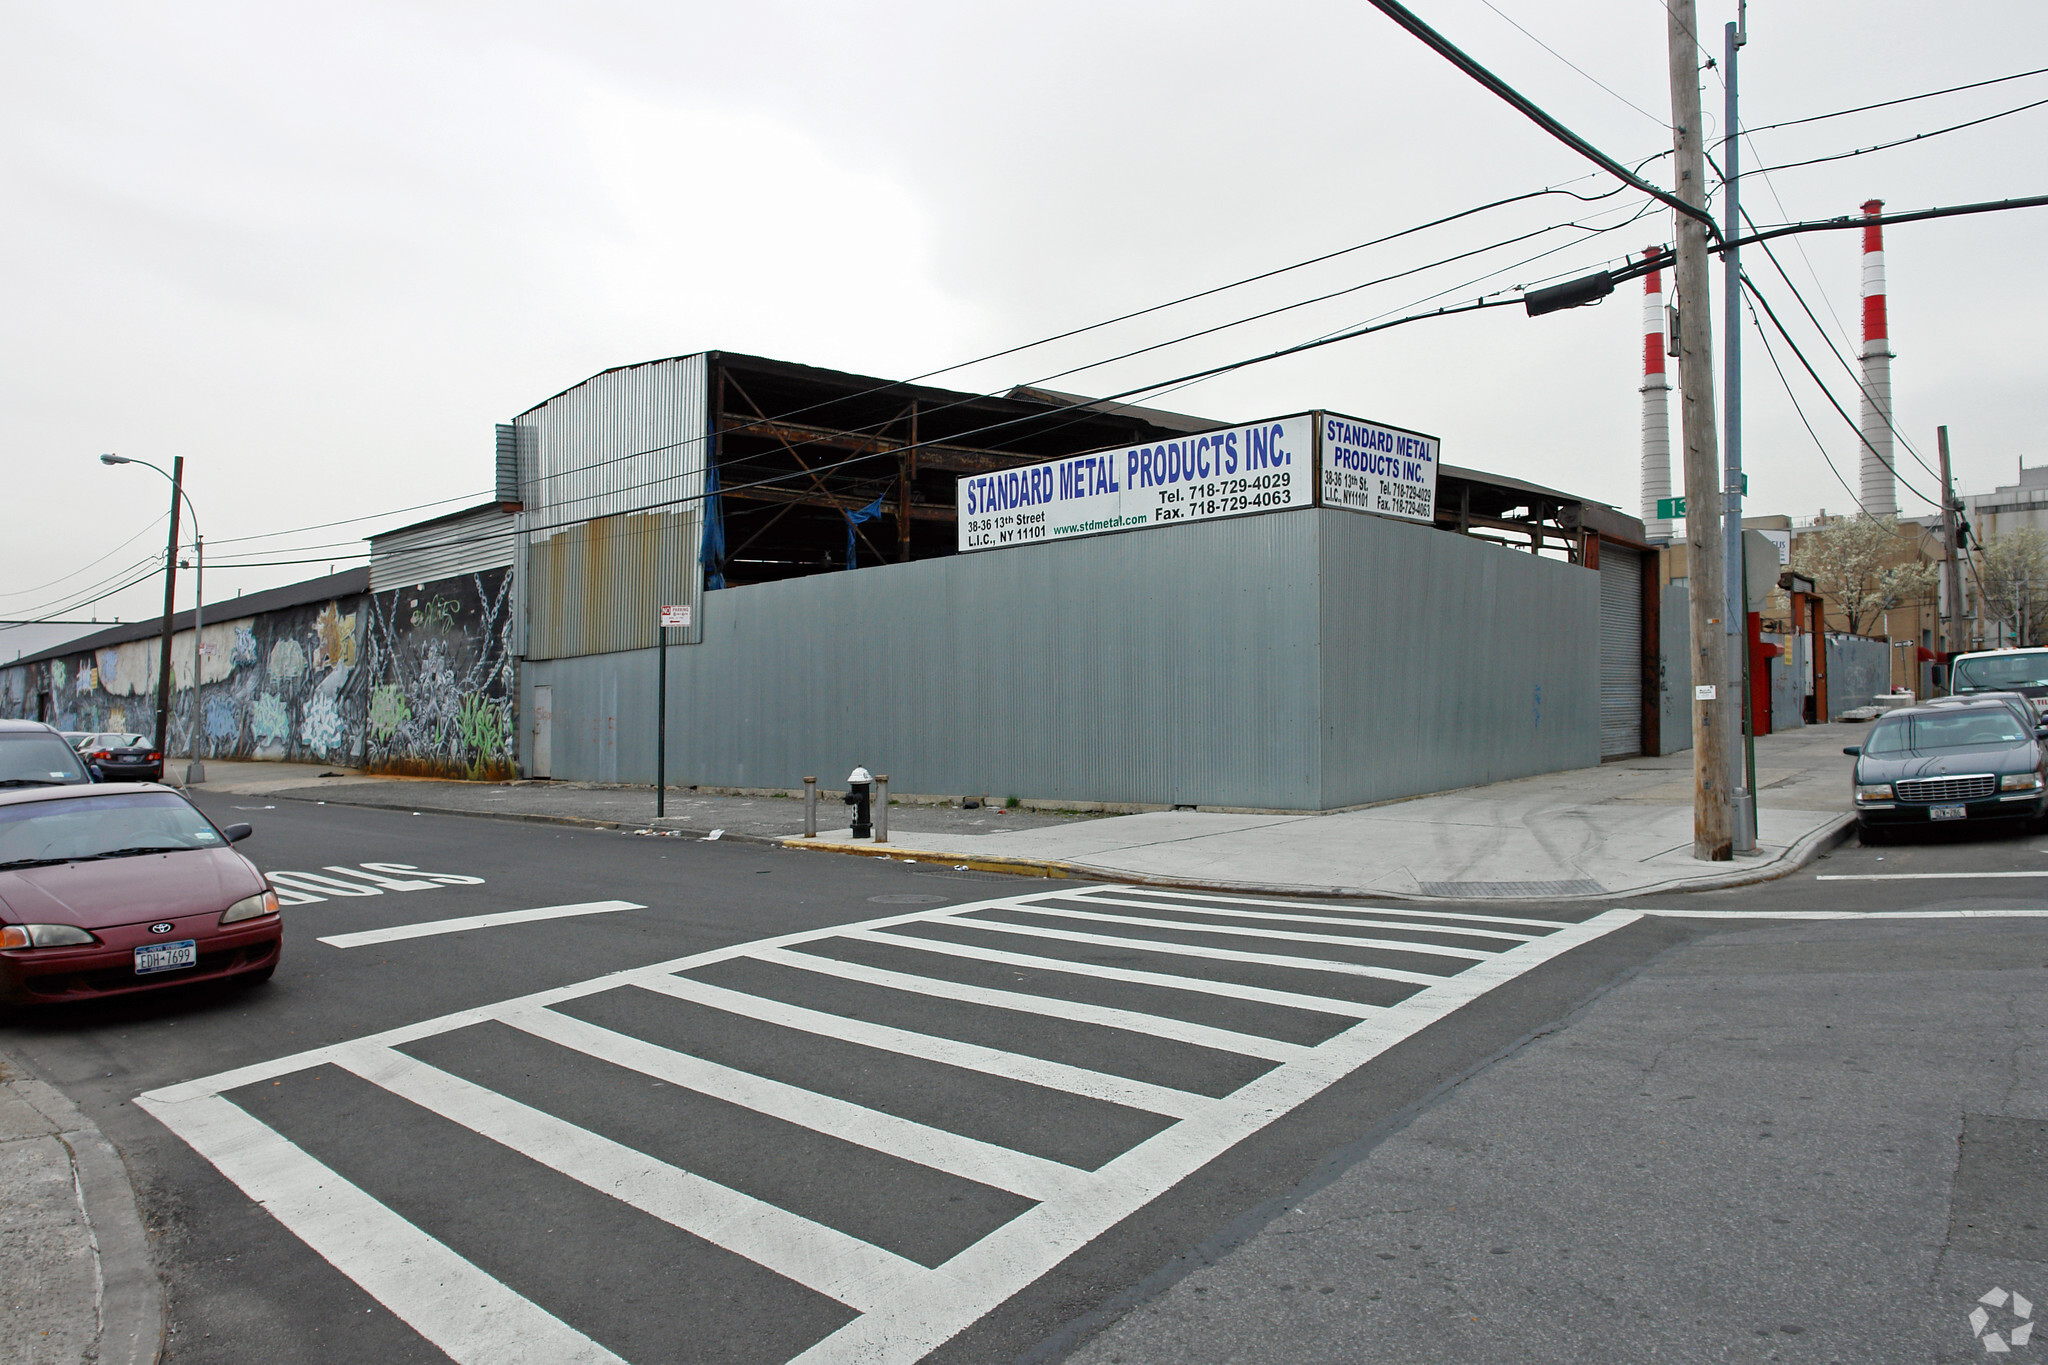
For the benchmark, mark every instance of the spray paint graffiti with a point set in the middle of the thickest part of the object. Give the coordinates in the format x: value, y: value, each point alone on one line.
x: 417, y: 680
x: 440, y: 702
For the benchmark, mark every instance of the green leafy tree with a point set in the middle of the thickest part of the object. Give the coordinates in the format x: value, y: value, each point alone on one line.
x: 1865, y: 565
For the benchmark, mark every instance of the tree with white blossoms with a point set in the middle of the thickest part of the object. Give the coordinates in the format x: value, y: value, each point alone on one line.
x: 2012, y: 578
x: 1864, y: 565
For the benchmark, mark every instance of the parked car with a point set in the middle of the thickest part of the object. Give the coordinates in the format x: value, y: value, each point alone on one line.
x: 2020, y: 706
x: 1929, y: 764
x: 2024, y: 671
x: 35, y: 755
x: 124, y: 758
x: 109, y: 890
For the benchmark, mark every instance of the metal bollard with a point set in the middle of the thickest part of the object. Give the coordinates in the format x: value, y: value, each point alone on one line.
x: 882, y: 808
x: 810, y: 808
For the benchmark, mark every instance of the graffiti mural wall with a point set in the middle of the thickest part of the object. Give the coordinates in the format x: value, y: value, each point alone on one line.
x: 279, y: 685
x: 417, y: 681
x: 440, y: 695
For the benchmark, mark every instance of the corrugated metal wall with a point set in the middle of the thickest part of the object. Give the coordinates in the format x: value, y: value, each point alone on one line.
x: 1621, y: 652
x: 629, y: 441
x: 1674, y: 682
x: 1449, y: 661
x: 1191, y: 665
x: 475, y: 542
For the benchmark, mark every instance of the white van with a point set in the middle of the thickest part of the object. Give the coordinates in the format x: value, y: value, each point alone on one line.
x: 2024, y: 671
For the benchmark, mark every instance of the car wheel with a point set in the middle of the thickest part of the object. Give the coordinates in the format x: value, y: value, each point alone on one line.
x: 257, y: 977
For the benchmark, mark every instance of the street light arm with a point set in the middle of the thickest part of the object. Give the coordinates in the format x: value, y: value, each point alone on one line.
x: 123, y: 459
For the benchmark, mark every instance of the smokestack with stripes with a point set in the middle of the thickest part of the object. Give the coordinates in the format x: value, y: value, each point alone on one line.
x: 1656, y: 403
x: 1880, y: 489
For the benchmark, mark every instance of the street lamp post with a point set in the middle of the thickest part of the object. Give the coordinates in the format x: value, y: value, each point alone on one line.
x: 195, y: 772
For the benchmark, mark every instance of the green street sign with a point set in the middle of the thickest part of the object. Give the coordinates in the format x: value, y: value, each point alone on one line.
x: 1670, y: 509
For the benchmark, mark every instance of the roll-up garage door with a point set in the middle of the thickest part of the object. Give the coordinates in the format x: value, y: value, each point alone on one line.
x: 1621, y: 653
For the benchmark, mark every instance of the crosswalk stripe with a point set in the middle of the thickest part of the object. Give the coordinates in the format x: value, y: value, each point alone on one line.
x: 1321, y: 1004
x: 1324, y: 906
x: 822, y: 1258
x: 432, y: 927
x: 984, y: 1163
x: 1010, y: 1258
x: 472, y: 1316
x: 1156, y: 1099
x: 1105, y: 1016
x: 1316, y: 964
x: 1247, y: 931
x: 1232, y: 912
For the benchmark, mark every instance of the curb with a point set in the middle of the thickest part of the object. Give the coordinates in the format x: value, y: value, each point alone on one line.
x: 131, y: 1305
x: 529, y: 817
x: 1801, y: 853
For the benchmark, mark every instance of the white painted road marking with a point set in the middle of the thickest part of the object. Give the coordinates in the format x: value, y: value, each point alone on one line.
x: 1918, y: 876
x: 429, y: 928
x: 905, y: 1309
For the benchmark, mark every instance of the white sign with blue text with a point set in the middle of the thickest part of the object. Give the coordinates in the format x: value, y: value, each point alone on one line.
x: 1371, y: 468
x: 1265, y: 467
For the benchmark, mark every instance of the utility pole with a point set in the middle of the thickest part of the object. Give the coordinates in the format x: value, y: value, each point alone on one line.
x: 1713, y: 749
x: 1952, y: 627
x: 163, y: 675
x: 1742, y: 785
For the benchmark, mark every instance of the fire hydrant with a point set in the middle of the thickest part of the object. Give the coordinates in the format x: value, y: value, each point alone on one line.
x: 859, y: 784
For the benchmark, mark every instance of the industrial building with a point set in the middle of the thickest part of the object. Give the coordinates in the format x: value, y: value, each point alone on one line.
x: 1299, y: 656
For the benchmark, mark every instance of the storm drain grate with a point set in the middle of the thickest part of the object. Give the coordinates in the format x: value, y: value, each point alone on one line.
x: 1583, y: 886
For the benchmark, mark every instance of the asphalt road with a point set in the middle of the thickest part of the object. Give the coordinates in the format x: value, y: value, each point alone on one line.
x: 974, y: 1118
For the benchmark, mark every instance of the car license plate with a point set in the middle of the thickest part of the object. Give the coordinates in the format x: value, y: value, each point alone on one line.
x: 1947, y: 812
x: 164, y: 957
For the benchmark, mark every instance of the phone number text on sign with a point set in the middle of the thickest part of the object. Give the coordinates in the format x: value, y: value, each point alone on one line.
x: 1383, y: 470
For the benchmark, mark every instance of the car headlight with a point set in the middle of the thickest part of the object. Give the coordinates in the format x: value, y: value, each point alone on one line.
x: 1873, y: 791
x: 262, y: 903
x: 44, y: 936
x: 2019, y: 782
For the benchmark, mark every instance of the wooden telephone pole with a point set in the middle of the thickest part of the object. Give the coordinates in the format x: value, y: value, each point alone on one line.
x: 1714, y: 717
x: 1952, y: 625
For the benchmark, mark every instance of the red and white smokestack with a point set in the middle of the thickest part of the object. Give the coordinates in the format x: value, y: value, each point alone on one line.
x: 1656, y: 402
x: 1879, y: 486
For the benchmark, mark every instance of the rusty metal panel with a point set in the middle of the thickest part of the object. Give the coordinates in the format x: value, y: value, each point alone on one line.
x: 610, y: 474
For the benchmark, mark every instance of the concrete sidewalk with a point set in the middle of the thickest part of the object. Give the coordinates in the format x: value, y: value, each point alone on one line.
x: 1622, y: 829
x: 80, y: 1283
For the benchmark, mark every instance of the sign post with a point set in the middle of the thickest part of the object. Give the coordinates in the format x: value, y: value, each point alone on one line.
x: 679, y: 618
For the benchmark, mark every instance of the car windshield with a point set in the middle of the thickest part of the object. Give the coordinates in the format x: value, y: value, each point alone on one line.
x: 2002, y: 672
x: 38, y: 758
x: 118, y: 741
x: 1956, y: 730
x: 73, y: 829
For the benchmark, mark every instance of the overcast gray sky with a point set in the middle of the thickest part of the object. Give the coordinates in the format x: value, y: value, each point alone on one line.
x: 320, y: 254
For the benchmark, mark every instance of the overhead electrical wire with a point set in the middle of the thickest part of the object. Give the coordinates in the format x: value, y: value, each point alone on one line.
x: 25, y: 592
x: 1528, y: 108
x: 1899, y: 142
x: 1903, y: 99
x: 1661, y: 122
x: 1818, y: 444
x: 1750, y: 286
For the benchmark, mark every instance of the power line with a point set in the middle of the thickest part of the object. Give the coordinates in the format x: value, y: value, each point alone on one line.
x: 1901, y: 142
x: 24, y: 592
x: 349, y: 521
x: 1904, y: 99
x: 1765, y: 303
x: 1818, y: 444
x: 1443, y: 46
x: 1660, y: 122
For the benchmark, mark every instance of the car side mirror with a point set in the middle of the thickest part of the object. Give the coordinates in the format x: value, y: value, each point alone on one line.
x: 1854, y: 750
x: 237, y: 832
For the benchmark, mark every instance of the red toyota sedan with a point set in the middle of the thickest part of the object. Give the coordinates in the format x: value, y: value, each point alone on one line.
x: 107, y: 890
